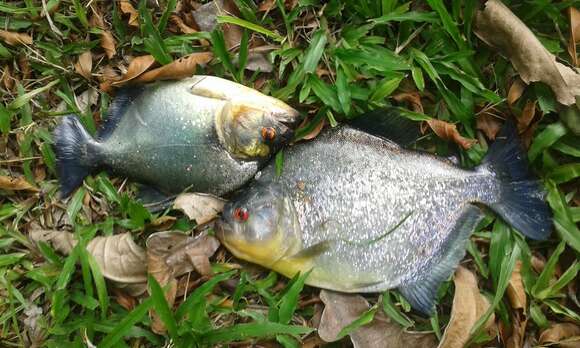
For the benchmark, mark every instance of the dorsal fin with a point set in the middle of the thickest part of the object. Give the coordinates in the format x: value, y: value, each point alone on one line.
x: 387, y: 123
x: 124, y: 98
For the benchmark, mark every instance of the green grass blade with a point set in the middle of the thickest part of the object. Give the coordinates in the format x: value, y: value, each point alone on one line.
x: 289, y: 301
x: 125, y: 325
x: 252, y: 330
x: 249, y: 25
x: 315, y: 51
x: 363, y: 319
x: 545, y: 139
x: 162, y: 307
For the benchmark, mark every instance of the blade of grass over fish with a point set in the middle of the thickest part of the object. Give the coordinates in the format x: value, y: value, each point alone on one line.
x: 289, y: 301
x: 362, y: 320
x: 249, y: 25
x: 252, y: 330
x: 279, y: 162
x: 315, y: 51
x: 545, y: 139
x: 125, y: 325
x: 162, y: 307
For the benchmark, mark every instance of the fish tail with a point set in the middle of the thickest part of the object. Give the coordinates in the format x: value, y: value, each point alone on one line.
x: 522, y: 198
x: 76, y: 154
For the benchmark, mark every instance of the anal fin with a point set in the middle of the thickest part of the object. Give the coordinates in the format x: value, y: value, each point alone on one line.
x: 422, y: 294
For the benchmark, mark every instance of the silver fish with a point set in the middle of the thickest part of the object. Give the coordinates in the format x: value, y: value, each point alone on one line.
x: 365, y: 215
x: 203, y: 133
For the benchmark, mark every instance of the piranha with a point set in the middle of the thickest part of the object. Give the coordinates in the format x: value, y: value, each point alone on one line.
x: 362, y: 213
x: 204, y: 133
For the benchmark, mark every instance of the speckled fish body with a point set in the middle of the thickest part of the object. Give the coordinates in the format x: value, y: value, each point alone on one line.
x: 202, y: 133
x: 360, y: 212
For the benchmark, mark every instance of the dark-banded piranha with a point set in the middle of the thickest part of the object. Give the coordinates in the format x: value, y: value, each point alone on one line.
x: 203, y: 133
x: 364, y: 214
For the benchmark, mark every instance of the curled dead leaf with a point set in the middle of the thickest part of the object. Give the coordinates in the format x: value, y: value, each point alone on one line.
x: 178, y: 69
x: 199, y: 207
x: 527, y: 115
x: 448, y: 131
x: 128, y: 9
x: 411, y: 98
x: 574, y: 14
x: 84, y: 65
x: 342, y: 309
x: 108, y: 43
x: 119, y: 257
x: 489, y: 124
x: 61, y: 241
x: 468, y: 306
x: 185, y: 29
x: 15, y: 39
x: 566, y: 334
x: 516, y: 90
x: 137, y: 67
x: 314, y: 132
x: 497, y: 26
x: 515, y: 290
x: 16, y: 184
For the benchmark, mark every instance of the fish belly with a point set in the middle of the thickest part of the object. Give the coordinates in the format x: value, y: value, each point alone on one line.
x: 167, y: 138
x: 384, y: 212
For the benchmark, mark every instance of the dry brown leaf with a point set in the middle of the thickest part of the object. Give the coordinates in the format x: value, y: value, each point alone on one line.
x: 468, y: 306
x: 314, y: 132
x: 128, y: 9
x: 178, y: 69
x: 412, y: 98
x: 574, y: 33
x: 61, y: 241
x: 528, y: 113
x: 108, y: 43
x: 342, y: 309
x: 516, y: 90
x: 497, y: 26
x: 199, y: 207
x: 515, y: 290
x: 7, y: 78
x: 16, y: 184
x: 137, y: 67
x: 185, y: 29
x: 448, y: 131
x: 119, y: 258
x: 84, y: 66
x: 568, y: 332
x: 489, y: 124
x: 266, y: 6
x: 15, y: 39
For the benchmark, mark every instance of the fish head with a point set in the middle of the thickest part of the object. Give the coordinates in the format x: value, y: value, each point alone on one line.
x: 255, y: 129
x: 260, y: 225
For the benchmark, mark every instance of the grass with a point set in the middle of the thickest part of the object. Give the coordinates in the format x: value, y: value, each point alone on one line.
x: 333, y: 62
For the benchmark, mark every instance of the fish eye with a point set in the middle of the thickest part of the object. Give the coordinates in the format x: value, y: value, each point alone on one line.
x: 241, y: 214
x: 268, y: 133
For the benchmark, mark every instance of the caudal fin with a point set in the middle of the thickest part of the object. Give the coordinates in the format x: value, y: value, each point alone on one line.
x: 522, y: 202
x: 75, y: 154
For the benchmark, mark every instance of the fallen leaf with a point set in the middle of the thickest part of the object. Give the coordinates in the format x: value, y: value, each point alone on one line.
x: 266, y: 6
x: 574, y: 33
x: 515, y: 290
x: 527, y: 115
x: 448, y: 131
x: 84, y: 66
x: 468, y: 306
x: 185, y: 29
x: 516, y: 90
x: 178, y: 69
x: 559, y: 332
x: 128, y: 9
x: 497, y: 26
x: 411, y: 98
x: 15, y: 39
x: 314, y: 132
x: 199, y: 207
x: 342, y: 309
x: 16, y: 184
x: 137, y: 67
x: 7, y: 78
x: 489, y: 124
x: 108, y: 43
x: 171, y: 254
x: 119, y: 258
x: 123, y: 299
x: 257, y: 62
x: 61, y: 241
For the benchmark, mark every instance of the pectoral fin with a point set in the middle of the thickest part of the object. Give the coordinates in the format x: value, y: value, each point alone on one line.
x: 422, y: 294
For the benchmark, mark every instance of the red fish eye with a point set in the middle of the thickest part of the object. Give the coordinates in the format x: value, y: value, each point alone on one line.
x: 241, y: 214
x: 268, y: 133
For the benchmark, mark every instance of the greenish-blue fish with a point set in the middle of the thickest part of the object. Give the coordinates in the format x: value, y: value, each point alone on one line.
x: 202, y: 133
x: 364, y: 214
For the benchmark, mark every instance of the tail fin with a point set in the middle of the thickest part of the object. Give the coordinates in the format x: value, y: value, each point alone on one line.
x: 75, y: 154
x: 522, y: 202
